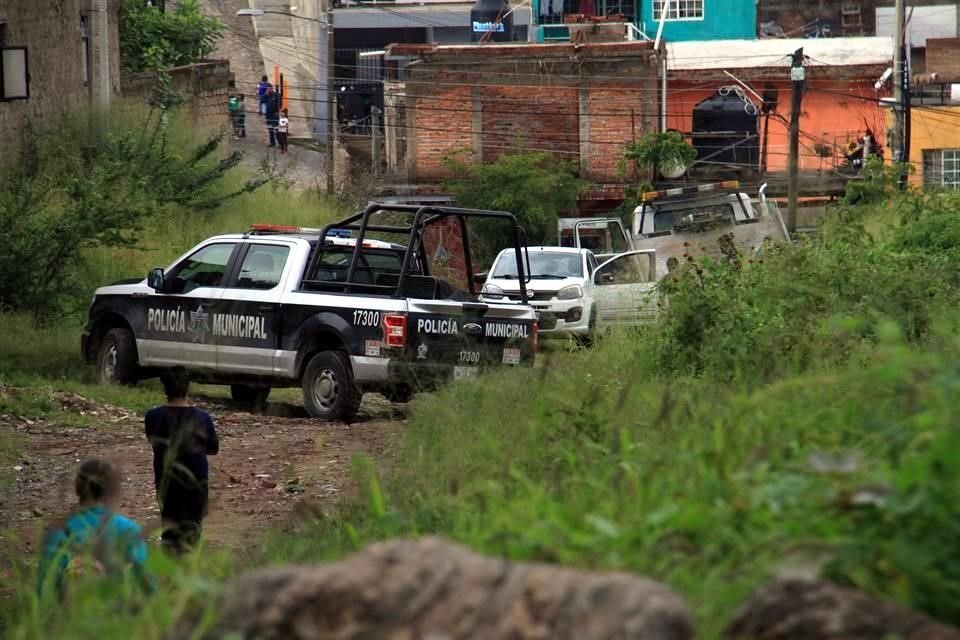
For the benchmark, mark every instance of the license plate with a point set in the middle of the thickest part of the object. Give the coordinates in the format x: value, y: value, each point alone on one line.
x: 511, y: 356
x: 464, y: 373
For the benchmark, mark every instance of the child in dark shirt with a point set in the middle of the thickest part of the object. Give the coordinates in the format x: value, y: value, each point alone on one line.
x: 182, y: 437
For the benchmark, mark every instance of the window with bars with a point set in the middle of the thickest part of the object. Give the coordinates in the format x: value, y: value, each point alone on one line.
x: 679, y: 9
x: 941, y: 168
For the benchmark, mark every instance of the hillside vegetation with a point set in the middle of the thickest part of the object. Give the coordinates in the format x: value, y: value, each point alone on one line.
x: 790, y: 413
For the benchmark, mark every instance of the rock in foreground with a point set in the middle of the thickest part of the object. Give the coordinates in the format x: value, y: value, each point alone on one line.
x: 432, y: 589
x: 817, y: 610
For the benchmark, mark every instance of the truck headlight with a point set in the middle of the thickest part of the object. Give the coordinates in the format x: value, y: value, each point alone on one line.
x: 570, y: 293
x: 491, y: 290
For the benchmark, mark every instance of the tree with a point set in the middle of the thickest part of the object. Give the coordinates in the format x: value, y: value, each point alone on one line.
x: 74, y: 188
x: 535, y: 187
x: 152, y: 40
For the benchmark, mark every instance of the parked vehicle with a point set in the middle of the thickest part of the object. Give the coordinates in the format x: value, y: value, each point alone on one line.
x: 684, y: 221
x: 338, y: 316
x: 573, y: 293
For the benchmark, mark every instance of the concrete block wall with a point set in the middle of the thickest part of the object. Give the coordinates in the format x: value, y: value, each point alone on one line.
x: 206, y: 88
x: 51, y: 31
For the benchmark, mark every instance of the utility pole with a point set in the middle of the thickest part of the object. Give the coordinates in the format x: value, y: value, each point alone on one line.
x: 331, y: 101
x: 901, y: 92
x: 896, y: 145
x: 797, y: 76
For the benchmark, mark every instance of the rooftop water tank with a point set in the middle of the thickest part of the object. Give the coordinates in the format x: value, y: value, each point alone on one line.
x: 725, y: 127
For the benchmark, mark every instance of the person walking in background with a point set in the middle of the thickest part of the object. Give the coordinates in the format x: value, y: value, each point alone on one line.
x: 182, y: 436
x: 94, y: 540
x: 235, y: 105
x: 262, y: 87
x: 272, y: 115
x: 283, y: 128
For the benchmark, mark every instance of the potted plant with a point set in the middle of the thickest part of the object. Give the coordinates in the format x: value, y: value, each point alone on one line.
x: 667, y: 153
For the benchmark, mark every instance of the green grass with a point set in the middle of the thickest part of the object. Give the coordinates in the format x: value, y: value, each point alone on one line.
x: 733, y: 442
x: 703, y: 486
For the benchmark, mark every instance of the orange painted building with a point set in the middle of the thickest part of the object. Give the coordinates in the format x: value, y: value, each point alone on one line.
x: 839, y: 104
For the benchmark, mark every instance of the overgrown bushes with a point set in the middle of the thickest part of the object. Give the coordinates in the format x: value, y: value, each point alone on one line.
x: 794, y: 414
x: 79, y: 185
x: 808, y: 305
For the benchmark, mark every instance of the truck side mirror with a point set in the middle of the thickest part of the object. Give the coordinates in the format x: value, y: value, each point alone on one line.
x: 155, y: 279
x: 479, y: 278
x: 603, y: 277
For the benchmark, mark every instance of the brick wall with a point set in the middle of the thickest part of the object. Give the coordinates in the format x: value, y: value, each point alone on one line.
x: 512, y: 122
x: 581, y: 102
x: 441, y: 124
x: 205, y: 86
x: 943, y: 57
x: 51, y: 31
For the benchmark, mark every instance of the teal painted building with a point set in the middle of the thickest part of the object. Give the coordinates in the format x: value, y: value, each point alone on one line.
x: 685, y: 19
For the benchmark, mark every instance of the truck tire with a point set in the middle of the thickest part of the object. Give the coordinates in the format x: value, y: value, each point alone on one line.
x: 249, y: 395
x: 117, y: 358
x: 329, y: 392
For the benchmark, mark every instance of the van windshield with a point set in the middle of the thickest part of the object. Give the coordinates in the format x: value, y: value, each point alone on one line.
x: 543, y: 264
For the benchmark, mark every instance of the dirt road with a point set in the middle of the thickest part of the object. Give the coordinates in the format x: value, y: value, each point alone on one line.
x: 269, y: 466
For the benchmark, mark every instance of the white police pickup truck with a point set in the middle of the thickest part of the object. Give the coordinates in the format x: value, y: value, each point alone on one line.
x: 338, y: 316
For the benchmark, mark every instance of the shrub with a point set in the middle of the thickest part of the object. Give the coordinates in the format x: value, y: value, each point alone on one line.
x: 78, y: 187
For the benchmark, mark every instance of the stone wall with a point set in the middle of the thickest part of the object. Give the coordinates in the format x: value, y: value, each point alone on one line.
x: 205, y: 87
x: 51, y: 31
x: 581, y: 102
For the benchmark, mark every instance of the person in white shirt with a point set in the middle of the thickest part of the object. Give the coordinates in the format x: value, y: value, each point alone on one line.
x: 282, y: 129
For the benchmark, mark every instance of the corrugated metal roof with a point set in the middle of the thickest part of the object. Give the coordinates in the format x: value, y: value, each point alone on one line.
x: 775, y: 52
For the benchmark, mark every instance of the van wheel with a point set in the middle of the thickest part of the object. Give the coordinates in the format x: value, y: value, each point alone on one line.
x: 249, y: 395
x: 117, y: 358
x: 587, y: 339
x: 329, y: 391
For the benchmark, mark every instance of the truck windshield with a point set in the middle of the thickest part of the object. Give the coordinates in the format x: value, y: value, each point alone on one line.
x: 543, y: 264
x: 667, y: 220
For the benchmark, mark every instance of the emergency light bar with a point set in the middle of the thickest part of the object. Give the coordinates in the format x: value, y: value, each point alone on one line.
x: 683, y: 191
x: 289, y: 228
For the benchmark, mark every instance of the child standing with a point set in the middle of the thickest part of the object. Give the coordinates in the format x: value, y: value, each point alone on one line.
x: 283, y: 128
x: 182, y: 437
x: 94, y: 540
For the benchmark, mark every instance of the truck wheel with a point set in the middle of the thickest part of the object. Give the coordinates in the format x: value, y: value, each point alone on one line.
x: 329, y: 392
x: 117, y: 358
x: 250, y: 395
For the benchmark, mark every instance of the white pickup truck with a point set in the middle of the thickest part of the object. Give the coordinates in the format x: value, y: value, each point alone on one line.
x: 573, y: 293
x: 683, y: 221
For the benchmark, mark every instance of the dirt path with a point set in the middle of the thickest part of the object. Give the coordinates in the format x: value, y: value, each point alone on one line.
x: 269, y: 467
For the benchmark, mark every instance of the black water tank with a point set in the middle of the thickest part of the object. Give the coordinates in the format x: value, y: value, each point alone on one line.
x: 490, y: 21
x: 725, y: 129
